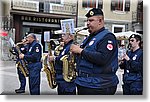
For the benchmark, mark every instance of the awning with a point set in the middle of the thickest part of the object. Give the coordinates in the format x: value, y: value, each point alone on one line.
x: 125, y: 35
x: 82, y: 32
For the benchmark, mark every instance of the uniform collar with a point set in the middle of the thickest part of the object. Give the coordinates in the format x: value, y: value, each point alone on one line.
x: 32, y: 43
x: 70, y: 42
x: 136, y: 50
x: 95, y: 33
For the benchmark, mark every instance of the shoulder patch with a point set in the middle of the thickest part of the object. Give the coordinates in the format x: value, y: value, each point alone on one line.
x: 109, y: 46
x: 37, y: 49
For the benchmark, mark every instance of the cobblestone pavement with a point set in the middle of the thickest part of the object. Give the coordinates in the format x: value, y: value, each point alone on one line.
x: 9, y: 80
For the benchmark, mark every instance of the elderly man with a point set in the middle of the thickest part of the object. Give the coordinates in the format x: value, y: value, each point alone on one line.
x: 64, y: 88
x: 97, y: 62
x: 33, y: 57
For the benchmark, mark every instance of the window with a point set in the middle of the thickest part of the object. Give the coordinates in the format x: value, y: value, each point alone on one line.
x: 120, y: 5
x: 41, y: 7
x: 45, y: 5
x: 55, y: 1
x: 92, y: 4
x: 118, y: 28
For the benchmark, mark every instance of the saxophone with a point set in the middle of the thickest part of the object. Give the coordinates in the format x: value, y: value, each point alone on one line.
x: 21, y: 64
x: 58, y: 49
x: 69, y: 65
x: 49, y: 69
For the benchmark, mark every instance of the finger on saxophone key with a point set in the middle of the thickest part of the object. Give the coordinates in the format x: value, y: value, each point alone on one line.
x: 75, y: 49
x: 21, y: 56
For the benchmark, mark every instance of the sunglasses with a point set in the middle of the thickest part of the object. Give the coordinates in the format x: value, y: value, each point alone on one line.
x: 131, y: 40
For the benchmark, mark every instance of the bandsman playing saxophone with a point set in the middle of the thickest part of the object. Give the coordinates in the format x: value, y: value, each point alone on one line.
x: 64, y: 88
x: 97, y: 60
x: 23, y: 47
x: 33, y: 57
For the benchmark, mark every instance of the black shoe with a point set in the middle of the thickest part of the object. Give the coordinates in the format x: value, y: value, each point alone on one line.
x: 19, y: 91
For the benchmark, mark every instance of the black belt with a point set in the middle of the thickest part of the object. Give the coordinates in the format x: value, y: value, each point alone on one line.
x: 33, y: 62
x: 83, y: 74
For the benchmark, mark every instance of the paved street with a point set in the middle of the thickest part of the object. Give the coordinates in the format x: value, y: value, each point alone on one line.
x: 9, y: 80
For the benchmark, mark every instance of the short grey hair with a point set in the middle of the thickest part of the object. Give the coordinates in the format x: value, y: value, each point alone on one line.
x: 33, y: 35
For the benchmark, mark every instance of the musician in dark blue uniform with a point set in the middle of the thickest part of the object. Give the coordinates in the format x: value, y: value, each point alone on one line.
x: 64, y: 88
x: 23, y: 48
x: 33, y: 57
x: 133, y: 67
x: 97, y: 61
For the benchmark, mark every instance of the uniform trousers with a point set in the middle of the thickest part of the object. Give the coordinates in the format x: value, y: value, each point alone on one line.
x: 133, y: 88
x: 34, y: 79
x: 22, y: 79
x: 96, y: 91
x: 66, y: 88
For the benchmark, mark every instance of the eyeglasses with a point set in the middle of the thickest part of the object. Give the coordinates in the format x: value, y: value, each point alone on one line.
x: 131, y: 40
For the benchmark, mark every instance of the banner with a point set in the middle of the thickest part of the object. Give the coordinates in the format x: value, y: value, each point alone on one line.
x: 67, y: 26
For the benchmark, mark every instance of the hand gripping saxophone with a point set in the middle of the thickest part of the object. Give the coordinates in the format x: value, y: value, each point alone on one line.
x: 21, y: 64
x: 49, y: 69
x: 69, y: 65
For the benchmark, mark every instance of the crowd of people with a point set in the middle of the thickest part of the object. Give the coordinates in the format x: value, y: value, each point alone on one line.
x: 96, y: 62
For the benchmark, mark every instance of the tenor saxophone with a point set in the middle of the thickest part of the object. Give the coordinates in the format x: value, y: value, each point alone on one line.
x: 69, y: 65
x: 21, y: 64
x: 49, y: 69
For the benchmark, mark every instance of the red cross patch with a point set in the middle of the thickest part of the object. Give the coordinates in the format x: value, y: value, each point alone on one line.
x: 109, y: 46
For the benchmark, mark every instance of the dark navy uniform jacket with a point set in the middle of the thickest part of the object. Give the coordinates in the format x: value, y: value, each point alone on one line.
x: 33, y: 56
x: 68, y: 86
x: 133, y: 69
x: 98, y: 62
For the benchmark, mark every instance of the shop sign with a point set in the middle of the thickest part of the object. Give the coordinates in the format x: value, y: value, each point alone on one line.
x: 40, y: 19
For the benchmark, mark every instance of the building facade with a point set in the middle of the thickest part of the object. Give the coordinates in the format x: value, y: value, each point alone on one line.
x: 43, y: 16
x: 120, y: 15
x: 39, y: 16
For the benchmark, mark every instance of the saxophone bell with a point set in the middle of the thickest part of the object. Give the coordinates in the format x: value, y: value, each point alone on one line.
x: 48, y: 68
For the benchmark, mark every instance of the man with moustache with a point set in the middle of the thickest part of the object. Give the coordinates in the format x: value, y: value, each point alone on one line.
x: 97, y: 60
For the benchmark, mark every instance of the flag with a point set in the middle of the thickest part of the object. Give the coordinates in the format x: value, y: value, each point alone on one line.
x: 3, y: 33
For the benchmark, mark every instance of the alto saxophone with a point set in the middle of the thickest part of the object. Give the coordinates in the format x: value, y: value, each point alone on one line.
x: 58, y: 49
x: 21, y: 63
x: 49, y: 69
x: 69, y: 65
x: 69, y: 68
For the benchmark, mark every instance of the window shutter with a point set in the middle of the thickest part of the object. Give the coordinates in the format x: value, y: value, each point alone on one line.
x: 41, y: 7
x: 100, y: 4
x: 113, y: 4
x: 84, y: 4
x: 127, y: 5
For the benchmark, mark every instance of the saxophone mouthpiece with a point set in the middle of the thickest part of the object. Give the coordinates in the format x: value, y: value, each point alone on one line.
x: 81, y: 29
x: 85, y: 28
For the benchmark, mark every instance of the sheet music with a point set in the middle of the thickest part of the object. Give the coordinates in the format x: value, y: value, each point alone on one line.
x: 11, y: 42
